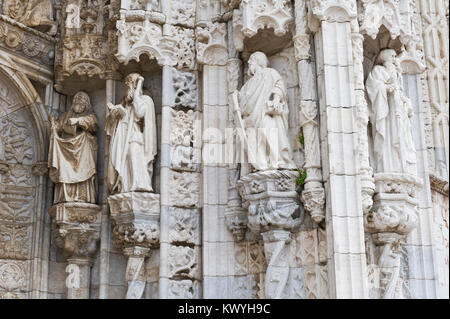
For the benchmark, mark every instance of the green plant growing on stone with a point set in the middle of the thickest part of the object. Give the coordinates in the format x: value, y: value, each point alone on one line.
x: 302, y: 177
x: 301, y: 138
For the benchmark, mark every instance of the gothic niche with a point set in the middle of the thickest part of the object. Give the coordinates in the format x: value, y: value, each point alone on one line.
x: 393, y: 158
x: 263, y: 26
x: 72, y: 161
x: 135, y: 208
x: 268, y: 186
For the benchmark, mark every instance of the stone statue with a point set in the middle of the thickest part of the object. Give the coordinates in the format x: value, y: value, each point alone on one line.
x: 390, y: 112
x: 72, y: 156
x: 262, y: 102
x: 32, y: 13
x: 133, y: 146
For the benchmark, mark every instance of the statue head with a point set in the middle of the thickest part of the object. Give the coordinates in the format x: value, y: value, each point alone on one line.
x: 386, y: 56
x: 81, y: 102
x: 257, y: 61
x: 131, y: 82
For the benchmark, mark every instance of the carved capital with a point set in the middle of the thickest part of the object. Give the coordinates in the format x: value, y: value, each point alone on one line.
x: 77, y: 241
x: 395, y: 207
x: 136, y: 219
x: 271, y: 199
x: 39, y: 168
x: 302, y: 47
x: 76, y: 228
x: 211, y: 43
x: 331, y: 11
x: 314, y: 202
x: 236, y: 220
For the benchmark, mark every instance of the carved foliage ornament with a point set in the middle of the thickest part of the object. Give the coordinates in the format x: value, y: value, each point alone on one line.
x: 173, y: 46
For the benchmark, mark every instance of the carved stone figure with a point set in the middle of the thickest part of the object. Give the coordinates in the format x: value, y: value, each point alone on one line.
x: 32, y: 13
x: 390, y: 113
x: 132, y: 128
x: 72, y: 156
x: 262, y: 102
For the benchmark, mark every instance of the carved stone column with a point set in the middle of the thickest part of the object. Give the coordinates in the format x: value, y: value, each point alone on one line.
x: 273, y: 212
x: 136, y: 230
x: 362, y: 118
x: 313, y: 195
x: 235, y: 215
x: 76, y: 229
x: 392, y: 218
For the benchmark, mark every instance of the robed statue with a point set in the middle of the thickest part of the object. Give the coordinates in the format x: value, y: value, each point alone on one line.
x: 390, y: 113
x: 133, y: 146
x: 261, y: 114
x: 72, y: 156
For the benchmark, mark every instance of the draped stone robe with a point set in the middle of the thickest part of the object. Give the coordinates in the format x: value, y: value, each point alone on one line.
x: 271, y: 148
x: 394, y: 149
x: 73, y: 159
x: 133, y: 147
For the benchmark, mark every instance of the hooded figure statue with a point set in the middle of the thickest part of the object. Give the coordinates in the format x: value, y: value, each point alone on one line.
x: 390, y: 113
x: 133, y: 147
x: 72, y: 155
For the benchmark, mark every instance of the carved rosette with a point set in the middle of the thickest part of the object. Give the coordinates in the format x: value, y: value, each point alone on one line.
x: 136, y: 230
x: 273, y: 212
x: 392, y: 218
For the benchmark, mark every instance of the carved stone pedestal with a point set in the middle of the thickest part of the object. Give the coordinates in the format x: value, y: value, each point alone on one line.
x: 136, y: 231
x: 273, y: 212
x: 392, y: 218
x: 76, y: 229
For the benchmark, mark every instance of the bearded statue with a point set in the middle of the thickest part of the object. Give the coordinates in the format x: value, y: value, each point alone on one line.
x: 132, y: 127
x: 72, y: 156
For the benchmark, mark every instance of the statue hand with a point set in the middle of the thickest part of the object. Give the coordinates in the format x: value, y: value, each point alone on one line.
x: 390, y: 88
x: 275, y: 107
x: 83, y: 124
x: 138, y: 91
x: 53, y: 125
x: 119, y: 111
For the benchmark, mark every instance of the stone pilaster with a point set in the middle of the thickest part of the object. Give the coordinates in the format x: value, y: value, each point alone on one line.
x: 313, y: 195
x: 331, y: 23
x: 180, y: 250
